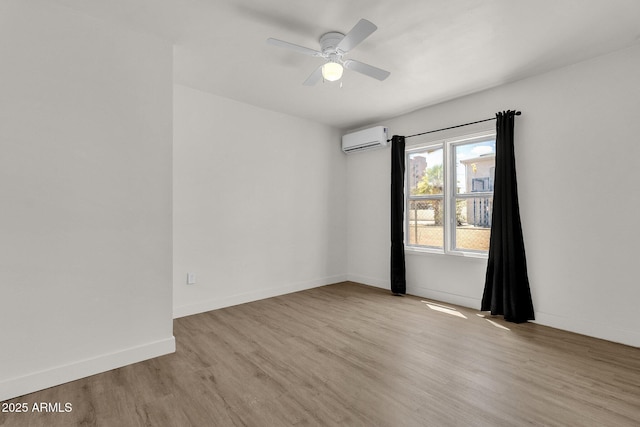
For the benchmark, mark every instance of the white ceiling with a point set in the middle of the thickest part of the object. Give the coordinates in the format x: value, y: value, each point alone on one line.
x: 436, y: 50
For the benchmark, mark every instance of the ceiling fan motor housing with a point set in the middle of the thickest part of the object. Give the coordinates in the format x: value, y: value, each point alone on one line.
x: 329, y: 43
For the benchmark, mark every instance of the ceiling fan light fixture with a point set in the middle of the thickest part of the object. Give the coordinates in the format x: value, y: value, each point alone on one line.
x: 332, y: 71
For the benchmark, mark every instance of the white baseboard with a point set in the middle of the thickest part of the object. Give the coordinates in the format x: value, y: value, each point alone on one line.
x: 228, y: 301
x: 35, y: 381
x: 419, y: 291
x: 589, y: 328
x: 460, y: 300
x: 371, y: 281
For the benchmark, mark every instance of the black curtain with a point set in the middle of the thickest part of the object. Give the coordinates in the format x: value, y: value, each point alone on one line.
x: 398, y: 277
x: 506, y: 289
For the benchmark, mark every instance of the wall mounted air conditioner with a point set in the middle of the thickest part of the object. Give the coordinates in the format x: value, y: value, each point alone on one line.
x: 367, y: 139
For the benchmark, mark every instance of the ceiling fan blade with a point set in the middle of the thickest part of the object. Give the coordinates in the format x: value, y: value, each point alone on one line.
x: 295, y: 47
x: 359, y: 32
x: 314, y: 77
x: 366, y: 69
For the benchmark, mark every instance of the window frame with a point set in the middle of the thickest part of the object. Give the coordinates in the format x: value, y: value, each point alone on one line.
x: 449, y: 195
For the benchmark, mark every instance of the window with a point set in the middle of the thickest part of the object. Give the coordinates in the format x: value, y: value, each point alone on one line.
x: 450, y: 194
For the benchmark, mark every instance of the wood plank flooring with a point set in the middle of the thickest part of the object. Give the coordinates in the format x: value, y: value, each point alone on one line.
x: 352, y: 355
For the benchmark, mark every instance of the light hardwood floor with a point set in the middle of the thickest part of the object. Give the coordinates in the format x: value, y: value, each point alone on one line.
x: 353, y: 355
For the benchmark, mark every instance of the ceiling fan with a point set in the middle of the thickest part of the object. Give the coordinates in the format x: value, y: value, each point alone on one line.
x: 333, y: 46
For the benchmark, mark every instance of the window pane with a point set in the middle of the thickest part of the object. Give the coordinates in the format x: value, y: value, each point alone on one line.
x: 475, y: 166
x: 425, y: 171
x: 426, y: 218
x: 473, y: 223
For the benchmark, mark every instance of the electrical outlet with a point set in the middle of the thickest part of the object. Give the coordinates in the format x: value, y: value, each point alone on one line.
x: 191, y: 279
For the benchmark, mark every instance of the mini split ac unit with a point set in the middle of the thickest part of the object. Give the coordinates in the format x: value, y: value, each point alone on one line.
x: 367, y: 139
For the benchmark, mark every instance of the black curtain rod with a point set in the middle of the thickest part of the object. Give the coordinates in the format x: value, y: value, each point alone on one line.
x: 453, y: 127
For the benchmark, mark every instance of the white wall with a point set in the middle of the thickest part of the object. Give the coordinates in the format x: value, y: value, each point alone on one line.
x: 577, y: 153
x: 85, y: 185
x: 259, y: 203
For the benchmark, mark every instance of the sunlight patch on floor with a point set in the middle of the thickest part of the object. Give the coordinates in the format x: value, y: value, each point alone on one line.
x: 444, y: 309
x: 497, y: 325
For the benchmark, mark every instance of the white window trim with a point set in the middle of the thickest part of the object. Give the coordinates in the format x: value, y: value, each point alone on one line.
x: 448, y: 146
